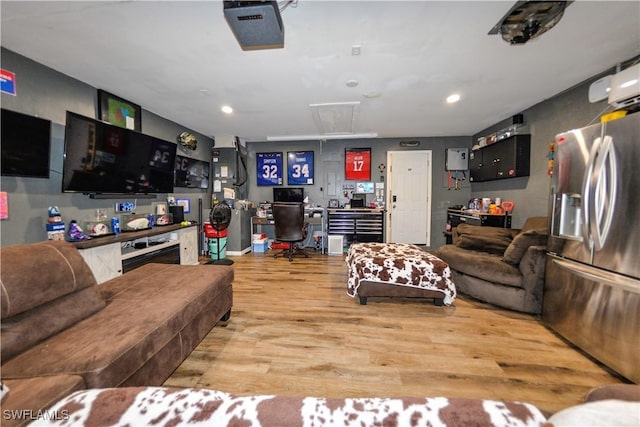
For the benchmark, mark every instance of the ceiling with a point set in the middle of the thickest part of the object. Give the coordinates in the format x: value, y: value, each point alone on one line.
x: 180, y: 60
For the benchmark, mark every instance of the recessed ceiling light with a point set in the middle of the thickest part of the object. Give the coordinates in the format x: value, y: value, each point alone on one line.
x: 352, y: 83
x: 453, y: 98
x: 226, y: 109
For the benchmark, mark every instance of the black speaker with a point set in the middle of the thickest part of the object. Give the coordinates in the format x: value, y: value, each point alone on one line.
x: 178, y: 213
x: 256, y: 25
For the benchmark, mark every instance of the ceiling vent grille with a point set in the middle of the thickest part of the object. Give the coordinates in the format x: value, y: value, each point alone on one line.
x: 338, y: 118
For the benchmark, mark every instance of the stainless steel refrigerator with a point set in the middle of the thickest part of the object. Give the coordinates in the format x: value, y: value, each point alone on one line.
x: 592, y: 283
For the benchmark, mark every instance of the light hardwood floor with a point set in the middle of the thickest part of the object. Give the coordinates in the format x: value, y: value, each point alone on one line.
x: 294, y: 331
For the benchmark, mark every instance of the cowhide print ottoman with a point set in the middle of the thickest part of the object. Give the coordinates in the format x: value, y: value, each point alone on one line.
x: 170, y: 407
x: 398, y: 270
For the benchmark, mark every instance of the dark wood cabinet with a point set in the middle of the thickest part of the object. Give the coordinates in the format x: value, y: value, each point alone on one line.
x: 509, y: 158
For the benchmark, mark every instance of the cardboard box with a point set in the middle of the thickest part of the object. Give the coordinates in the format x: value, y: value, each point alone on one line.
x: 55, y: 235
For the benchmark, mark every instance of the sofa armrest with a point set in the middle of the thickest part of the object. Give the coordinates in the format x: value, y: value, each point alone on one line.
x: 532, y: 260
x: 628, y: 392
x: 532, y: 267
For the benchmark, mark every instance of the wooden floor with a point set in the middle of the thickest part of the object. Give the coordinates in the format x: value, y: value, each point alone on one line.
x: 294, y: 331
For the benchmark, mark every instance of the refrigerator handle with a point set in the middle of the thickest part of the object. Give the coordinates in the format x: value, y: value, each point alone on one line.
x: 605, y: 185
x: 587, y: 193
x: 601, y: 276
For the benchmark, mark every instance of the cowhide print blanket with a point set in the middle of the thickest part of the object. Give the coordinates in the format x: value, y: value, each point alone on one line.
x: 170, y: 407
x: 399, y: 264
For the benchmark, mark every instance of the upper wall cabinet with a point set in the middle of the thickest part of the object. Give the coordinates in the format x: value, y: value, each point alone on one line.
x: 508, y: 158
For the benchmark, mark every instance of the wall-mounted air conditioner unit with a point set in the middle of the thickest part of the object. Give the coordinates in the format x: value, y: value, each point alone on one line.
x: 625, y: 87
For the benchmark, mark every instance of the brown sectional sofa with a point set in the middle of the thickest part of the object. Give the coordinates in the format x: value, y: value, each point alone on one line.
x: 63, y: 332
x: 501, y: 266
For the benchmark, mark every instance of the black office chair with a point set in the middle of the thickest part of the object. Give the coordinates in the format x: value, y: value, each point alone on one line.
x: 289, y: 227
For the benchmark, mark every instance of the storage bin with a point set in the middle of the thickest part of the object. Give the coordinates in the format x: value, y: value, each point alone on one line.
x: 335, y: 245
x: 260, y: 246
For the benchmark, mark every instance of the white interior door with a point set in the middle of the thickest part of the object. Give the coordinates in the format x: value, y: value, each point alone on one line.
x: 409, y: 197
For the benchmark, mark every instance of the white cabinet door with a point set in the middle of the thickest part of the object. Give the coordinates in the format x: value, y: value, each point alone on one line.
x: 189, y: 246
x: 105, y: 261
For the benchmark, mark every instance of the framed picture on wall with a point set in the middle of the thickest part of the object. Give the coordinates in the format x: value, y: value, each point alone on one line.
x: 191, y: 173
x: 119, y: 111
x: 185, y: 203
x: 300, y: 168
x: 357, y: 164
x: 269, y: 168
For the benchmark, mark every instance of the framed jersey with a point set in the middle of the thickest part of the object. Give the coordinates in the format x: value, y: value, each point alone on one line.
x: 300, y: 168
x: 269, y: 168
x: 357, y: 164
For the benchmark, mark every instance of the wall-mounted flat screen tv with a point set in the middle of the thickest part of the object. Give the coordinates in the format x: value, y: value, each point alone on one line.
x: 26, y: 144
x: 105, y: 159
x: 288, y: 194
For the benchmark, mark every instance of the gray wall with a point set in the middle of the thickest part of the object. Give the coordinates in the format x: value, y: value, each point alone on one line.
x: 329, y: 157
x: 46, y: 93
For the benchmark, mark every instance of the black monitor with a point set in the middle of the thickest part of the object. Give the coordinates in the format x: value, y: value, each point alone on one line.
x: 288, y: 194
x: 357, y: 202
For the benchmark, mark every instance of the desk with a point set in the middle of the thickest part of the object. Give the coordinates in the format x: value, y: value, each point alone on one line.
x: 257, y: 222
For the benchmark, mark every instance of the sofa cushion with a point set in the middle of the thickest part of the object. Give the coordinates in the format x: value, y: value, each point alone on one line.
x: 477, y: 230
x: 516, y: 249
x: 536, y: 222
x: 24, y: 284
x: 482, y: 265
x: 493, y: 240
x: 147, y: 310
x: 30, y: 395
x: 490, y: 244
x: 26, y: 329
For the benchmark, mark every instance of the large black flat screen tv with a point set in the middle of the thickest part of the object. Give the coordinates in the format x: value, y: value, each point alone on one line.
x: 26, y: 143
x: 105, y: 159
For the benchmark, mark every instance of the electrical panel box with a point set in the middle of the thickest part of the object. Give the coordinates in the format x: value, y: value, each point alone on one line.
x: 457, y: 159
